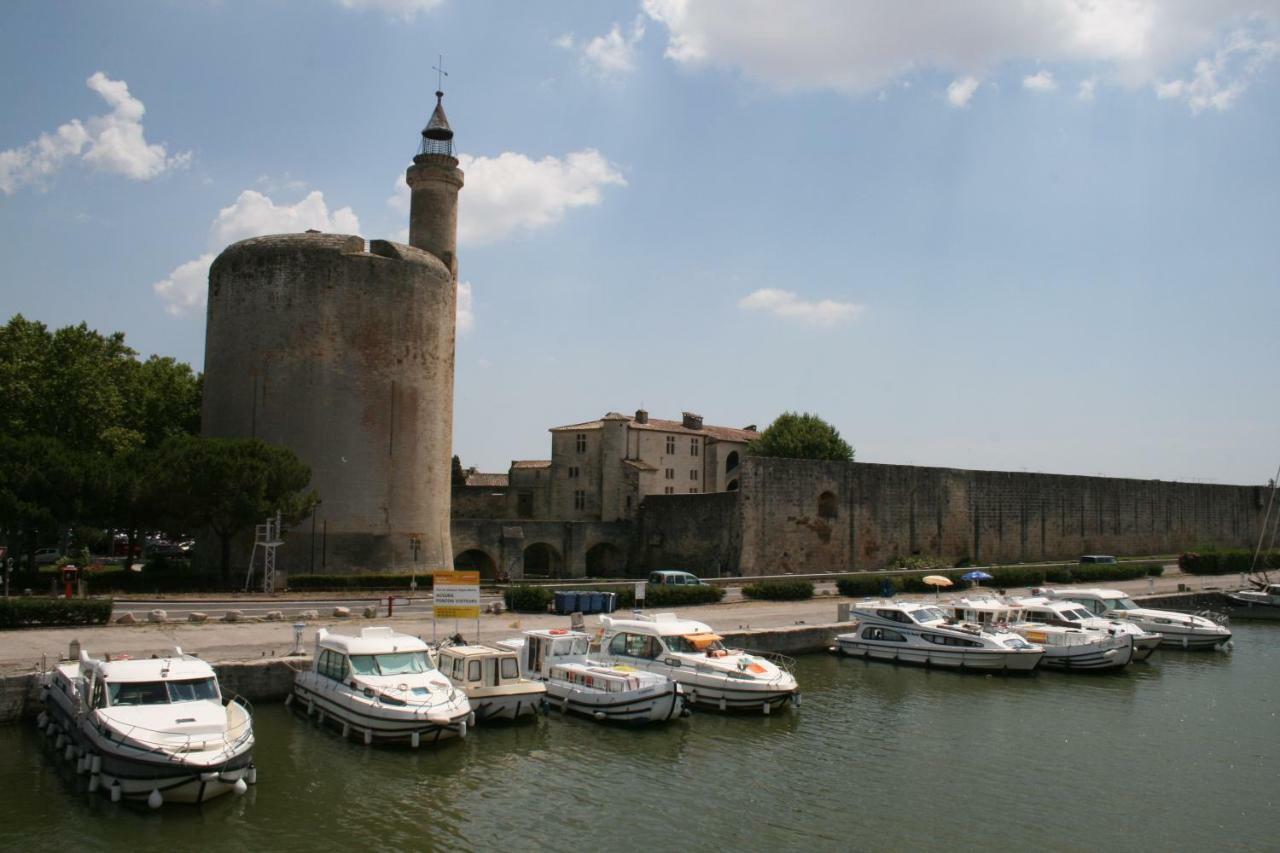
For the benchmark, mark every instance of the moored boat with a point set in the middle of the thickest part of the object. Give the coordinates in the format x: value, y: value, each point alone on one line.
x: 577, y: 684
x: 491, y: 679
x: 713, y: 676
x: 1070, y: 614
x: 920, y: 633
x: 1179, y: 630
x: 1073, y: 648
x: 157, y: 729
x: 382, y: 687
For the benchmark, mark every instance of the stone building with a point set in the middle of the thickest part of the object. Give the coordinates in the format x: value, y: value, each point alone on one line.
x: 343, y: 351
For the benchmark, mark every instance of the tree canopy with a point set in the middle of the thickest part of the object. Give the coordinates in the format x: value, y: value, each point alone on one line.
x: 801, y: 436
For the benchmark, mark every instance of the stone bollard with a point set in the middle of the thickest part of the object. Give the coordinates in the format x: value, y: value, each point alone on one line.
x: 371, y: 612
x: 233, y: 616
x: 197, y: 616
x: 342, y: 612
x: 157, y: 616
x: 275, y: 616
x: 126, y: 619
x: 309, y: 614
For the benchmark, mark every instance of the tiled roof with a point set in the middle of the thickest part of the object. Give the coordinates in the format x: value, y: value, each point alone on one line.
x: 531, y: 463
x: 488, y: 480
x: 721, y: 433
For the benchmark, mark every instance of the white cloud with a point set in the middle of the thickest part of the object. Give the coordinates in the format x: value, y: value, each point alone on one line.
x: 1041, y: 81
x: 466, y: 317
x: 1087, y: 89
x: 511, y: 193
x: 564, y: 42
x: 858, y: 48
x: 1218, y: 82
x: 613, y: 53
x: 252, y: 215
x: 961, y: 90
x: 407, y: 9
x: 784, y: 303
x: 114, y: 142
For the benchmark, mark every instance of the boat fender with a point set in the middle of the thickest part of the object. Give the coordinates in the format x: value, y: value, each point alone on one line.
x: 115, y: 791
x: 414, y: 740
x: 766, y: 708
x: 42, y: 720
x: 599, y: 715
x: 69, y: 753
x: 94, y: 781
x: 240, y: 786
x: 368, y: 736
x: 95, y: 764
x: 155, y: 799
x: 462, y: 729
x: 471, y: 718
x: 251, y: 775
x: 209, y: 776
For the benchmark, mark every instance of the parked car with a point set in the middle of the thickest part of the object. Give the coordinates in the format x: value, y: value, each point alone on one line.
x: 678, y: 578
x: 47, y: 556
x: 1098, y: 558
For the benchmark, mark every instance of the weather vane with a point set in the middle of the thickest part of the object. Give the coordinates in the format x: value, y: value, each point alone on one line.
x: 440, y: 73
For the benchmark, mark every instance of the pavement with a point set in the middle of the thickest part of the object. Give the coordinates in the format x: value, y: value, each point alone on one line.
x: 24, y: 651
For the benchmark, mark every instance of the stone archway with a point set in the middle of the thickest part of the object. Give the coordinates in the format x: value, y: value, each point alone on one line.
x: 606, y: 560
x: 476, y: 560
x: 542, y: 560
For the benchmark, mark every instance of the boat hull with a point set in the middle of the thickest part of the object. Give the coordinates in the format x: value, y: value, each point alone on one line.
x: 1143, y: 647
x: 655, y: 704
x: 983, y: 660
x: 1076, y: 659
x: 376, y: 723
x: 1192, y: 641
x: 493, y: 708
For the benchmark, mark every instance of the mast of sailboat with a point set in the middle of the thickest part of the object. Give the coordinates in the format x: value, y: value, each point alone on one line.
x: 1266, y: 518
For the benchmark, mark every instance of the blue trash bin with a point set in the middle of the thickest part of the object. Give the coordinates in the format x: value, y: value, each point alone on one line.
x: 608, y: 602
x: 597, y: 602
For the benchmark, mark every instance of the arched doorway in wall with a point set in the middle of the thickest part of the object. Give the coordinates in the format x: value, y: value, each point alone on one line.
x: 732, y: 487
x: 542, y: 561
x: 731, y: 462
x: 827, y: 505
x: 605, y: 560
x: 475, y: 560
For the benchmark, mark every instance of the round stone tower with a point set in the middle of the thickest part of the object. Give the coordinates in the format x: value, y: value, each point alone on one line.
x: 344, y: 353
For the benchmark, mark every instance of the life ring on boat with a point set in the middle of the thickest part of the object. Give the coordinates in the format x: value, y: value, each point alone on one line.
x: 557, y: 631
x: 401, y: 687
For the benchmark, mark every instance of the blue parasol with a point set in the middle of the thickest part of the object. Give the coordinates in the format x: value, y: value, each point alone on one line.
x: 975, y: 576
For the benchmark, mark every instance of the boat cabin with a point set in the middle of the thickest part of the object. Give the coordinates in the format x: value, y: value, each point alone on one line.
x: 479, y: 666
x: 545, y: 648
x: 150, y: 681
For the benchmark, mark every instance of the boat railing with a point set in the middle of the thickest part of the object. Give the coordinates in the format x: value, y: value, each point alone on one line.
x: 174, y: 746
x: 781, y: 661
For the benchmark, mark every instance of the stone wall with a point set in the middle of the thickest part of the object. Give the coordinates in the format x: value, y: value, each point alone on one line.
x: 505, y: 543
x: 874, y: 513
x: 694, y: 533
x: 479, y: 502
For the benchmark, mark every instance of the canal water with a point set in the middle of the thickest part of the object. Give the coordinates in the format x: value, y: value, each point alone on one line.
x: 1180, y: 753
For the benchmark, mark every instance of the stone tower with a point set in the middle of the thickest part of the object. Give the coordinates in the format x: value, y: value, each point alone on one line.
x: 344, y: 353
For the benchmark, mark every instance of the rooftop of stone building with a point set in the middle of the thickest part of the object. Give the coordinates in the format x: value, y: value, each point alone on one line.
x: 489, y: 481
x: 720, y: 433
x: 531, y: 463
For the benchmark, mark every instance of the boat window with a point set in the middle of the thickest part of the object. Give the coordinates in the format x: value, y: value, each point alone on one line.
x: 929, y: 614
x: 886, y: 634
x: 581, y: 645
x: 194, y: 690
x: 678, y: 644
x: 363, y: 665
x: 139, y: 693
x: 895, y: 615
x: 403, y: 663
x: 509, y: 669
x: 99, y: 695
x: 636, y: 646
x: 332, y: 665
x: 947, y: 640
x: 473, y: 670
x: 1124, y: 604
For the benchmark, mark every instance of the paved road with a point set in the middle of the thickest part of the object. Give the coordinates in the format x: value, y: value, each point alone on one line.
x: 216, y: 608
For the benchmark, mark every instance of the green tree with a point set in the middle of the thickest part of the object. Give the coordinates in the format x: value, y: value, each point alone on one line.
x: 806, y: 436
x: 227, y: 485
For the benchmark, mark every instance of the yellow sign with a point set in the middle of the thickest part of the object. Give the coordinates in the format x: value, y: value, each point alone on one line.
x: 457, y: 595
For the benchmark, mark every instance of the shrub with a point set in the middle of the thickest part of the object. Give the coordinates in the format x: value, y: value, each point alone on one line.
x: 864, y: 586
x: 1224, y: 562
x: 365, y: 580
x: 527, y: 599
x: 920, y: 562
x: 785, y: 590
x: 53, y: 612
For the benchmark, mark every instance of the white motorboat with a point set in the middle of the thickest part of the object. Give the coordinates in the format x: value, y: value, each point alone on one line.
x: 920, y: 633
x: 491, y: 679
x: 1069, y: 614
x: 603, y: 691
x: 383, y: 687
x: 1072, y: 648
x: 690, y: 653
x: 1179, y: 630
x: 155, y: 729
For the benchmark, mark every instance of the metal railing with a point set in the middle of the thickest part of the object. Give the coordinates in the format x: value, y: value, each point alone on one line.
x: 174, y: 746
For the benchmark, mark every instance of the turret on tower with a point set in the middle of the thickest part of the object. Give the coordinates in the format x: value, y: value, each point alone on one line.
x: 434, y: 180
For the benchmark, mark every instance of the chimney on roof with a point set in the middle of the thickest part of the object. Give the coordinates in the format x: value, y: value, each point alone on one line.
x: 750, y: 428
x: 692, y: 421
x: 642, y: 417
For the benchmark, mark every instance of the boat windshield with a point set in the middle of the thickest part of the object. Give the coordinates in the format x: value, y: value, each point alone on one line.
x: 162, y: 692
x: 929, y: 614
x: 1077, y: 615
x: 1122, y: 604
x: 693, y: 643
x: 393, y: 663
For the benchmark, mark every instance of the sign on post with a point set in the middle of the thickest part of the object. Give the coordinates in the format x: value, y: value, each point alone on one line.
x: 457, y: 595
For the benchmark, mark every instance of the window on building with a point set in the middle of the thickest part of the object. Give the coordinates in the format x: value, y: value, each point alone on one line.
x: 669, y: 490
x: 671, y: 473
x: 693, y: 491
x: 671, y: 444
x: 693, y: 473
x: 524, y: 504
x: 579, y: 499
x: 731, y: 461
x: 693, y: 447
x: 826, y: 505
x: 573, y: 472
x: 732, y: 487
x: 582, y: 442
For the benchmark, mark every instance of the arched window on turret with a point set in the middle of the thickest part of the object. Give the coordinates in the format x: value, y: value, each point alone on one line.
x: 731, y: 462
x: 827, y: 505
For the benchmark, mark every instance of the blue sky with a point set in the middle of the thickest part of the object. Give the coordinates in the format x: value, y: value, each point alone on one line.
x: 1034, y: 236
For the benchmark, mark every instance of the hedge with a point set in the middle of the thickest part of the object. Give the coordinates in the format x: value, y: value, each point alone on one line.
x: 784, y: 590
x: 53, y: 612
x: 149, y: 580
x: 1225, y: 562
x: 1002, y: 577
x: 527, y: 599
x: 366, y: 580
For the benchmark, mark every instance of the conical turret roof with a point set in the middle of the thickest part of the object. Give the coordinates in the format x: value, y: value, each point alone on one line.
x: 438, y: 126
